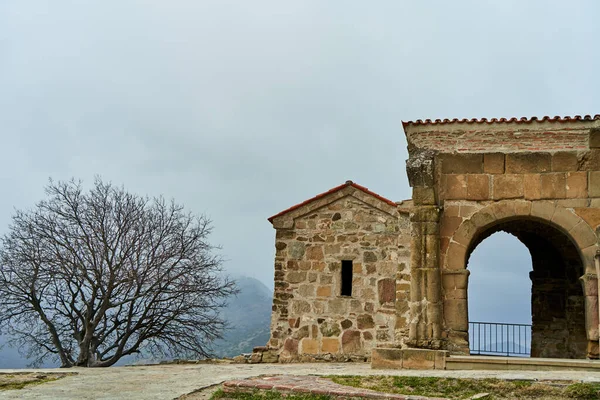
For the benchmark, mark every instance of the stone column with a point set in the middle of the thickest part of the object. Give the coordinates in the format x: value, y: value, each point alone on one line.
x: 425, y: 295
x: 590, y: 291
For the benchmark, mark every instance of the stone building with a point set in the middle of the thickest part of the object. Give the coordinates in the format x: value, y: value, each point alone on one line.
x: 357, y: 274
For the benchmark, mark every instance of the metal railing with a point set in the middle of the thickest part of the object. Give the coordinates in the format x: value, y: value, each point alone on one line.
x: 495, y: 338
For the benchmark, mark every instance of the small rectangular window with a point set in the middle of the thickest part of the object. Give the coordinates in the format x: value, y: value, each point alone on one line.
x: 346, y: 278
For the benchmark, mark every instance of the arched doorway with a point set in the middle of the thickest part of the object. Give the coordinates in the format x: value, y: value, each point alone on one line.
x: 557, y: 298
x: 499, y: 294
x: 564, y: 296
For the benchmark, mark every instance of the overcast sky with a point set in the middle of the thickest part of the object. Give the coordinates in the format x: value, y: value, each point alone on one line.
x: 240, y: 109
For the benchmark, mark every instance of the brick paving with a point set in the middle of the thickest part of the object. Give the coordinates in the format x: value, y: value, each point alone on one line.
x: 296, y: 384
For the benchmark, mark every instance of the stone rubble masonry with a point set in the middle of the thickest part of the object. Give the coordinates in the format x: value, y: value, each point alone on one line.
x: 311, y: 320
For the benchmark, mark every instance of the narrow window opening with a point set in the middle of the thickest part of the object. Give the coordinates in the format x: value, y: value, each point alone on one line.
x: 346, y: 278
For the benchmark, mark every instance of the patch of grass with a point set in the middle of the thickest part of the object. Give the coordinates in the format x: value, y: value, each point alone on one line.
x: 453, y: 388
x: 583, y: 391
x: 265, y: 395
x: 19, y: 381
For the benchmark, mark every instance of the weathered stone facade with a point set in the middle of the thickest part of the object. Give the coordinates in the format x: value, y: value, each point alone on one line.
x: 536, y: 179
x: 311, y: 318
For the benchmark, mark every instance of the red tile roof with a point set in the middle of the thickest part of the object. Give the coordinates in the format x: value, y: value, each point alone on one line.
x: 501, y: 120
x: 330, y: 191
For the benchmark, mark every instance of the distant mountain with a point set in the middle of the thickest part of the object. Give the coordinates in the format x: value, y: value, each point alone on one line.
x: 249, y: 317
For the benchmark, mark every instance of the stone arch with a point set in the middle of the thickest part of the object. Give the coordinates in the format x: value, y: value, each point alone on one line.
x: 576, y: 234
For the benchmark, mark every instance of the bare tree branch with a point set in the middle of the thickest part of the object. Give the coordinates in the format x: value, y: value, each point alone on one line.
x: 87, y: 278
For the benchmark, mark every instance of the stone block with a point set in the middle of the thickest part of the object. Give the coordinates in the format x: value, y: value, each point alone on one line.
x: 564, y: 218
x: 451, y: 210
x: 532, y: 186
x: 455, y: 279
x: 425, y: 214
x: 418, y: 359
x: 330, y: 345
x: 455, y: 258
x: 382, y: 358
x: 462, y: 163
x: 483, y: 218
x: 329, y: 329
x: 589, y: 215
x: 270, y: 356
x: 423, y: 196
x: 573, y: 203
x: 542, y: 209
x: 493, y: 163
x: 309, y: 346
x: 594, y: 184
x: 448, y: 225
x: 478, y: 187
x: 455, y: 187
x: 291, y: 345
x: 508, y: 186
x: 577, y: 185
x: 296, y: 250
x: 296, y: 276
x: 337, y: 306
x: 315, y: 253
x: 583, y: 235
x: 456, y: 314
x: 255, y: 358
x: 300, y: 307
x: 589, y: 160
x: 564, y: 161
x: 524, y: 163
x: 351, y: 342
x: 365, y: 321
x: 324, y: 291
x: 522, y: 208
x: 440, y: 359
x: 593, y: 352
x: 465, y: 232
x: 554, y: 186
x: 386, y: 289
x: 594, y: 138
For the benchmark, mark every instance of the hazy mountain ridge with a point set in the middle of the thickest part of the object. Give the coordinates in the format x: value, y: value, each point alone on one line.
x: 249, y: 318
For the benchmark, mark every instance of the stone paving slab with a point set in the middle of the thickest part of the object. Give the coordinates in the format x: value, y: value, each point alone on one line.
x: 294, y: 384
x: 172, y: 381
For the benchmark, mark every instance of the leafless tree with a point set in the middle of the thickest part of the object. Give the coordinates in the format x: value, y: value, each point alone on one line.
x: 87, y: 278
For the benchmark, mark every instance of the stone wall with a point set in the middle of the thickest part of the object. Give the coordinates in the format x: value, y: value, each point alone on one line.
x: 311, y: 320
x: 482, y: 137
x: 484, y: 175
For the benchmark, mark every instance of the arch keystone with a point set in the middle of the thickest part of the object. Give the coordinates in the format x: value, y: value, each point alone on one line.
x: 543, y: 209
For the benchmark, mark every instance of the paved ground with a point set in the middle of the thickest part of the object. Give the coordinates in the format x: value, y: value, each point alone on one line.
x: 172, y: 381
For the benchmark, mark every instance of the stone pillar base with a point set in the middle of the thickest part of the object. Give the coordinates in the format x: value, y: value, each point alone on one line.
x: 592, y: 350
x: 389, y: 358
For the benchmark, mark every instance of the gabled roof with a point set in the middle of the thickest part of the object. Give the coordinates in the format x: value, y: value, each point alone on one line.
x: 330, y: 191
x: 522, y: 120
